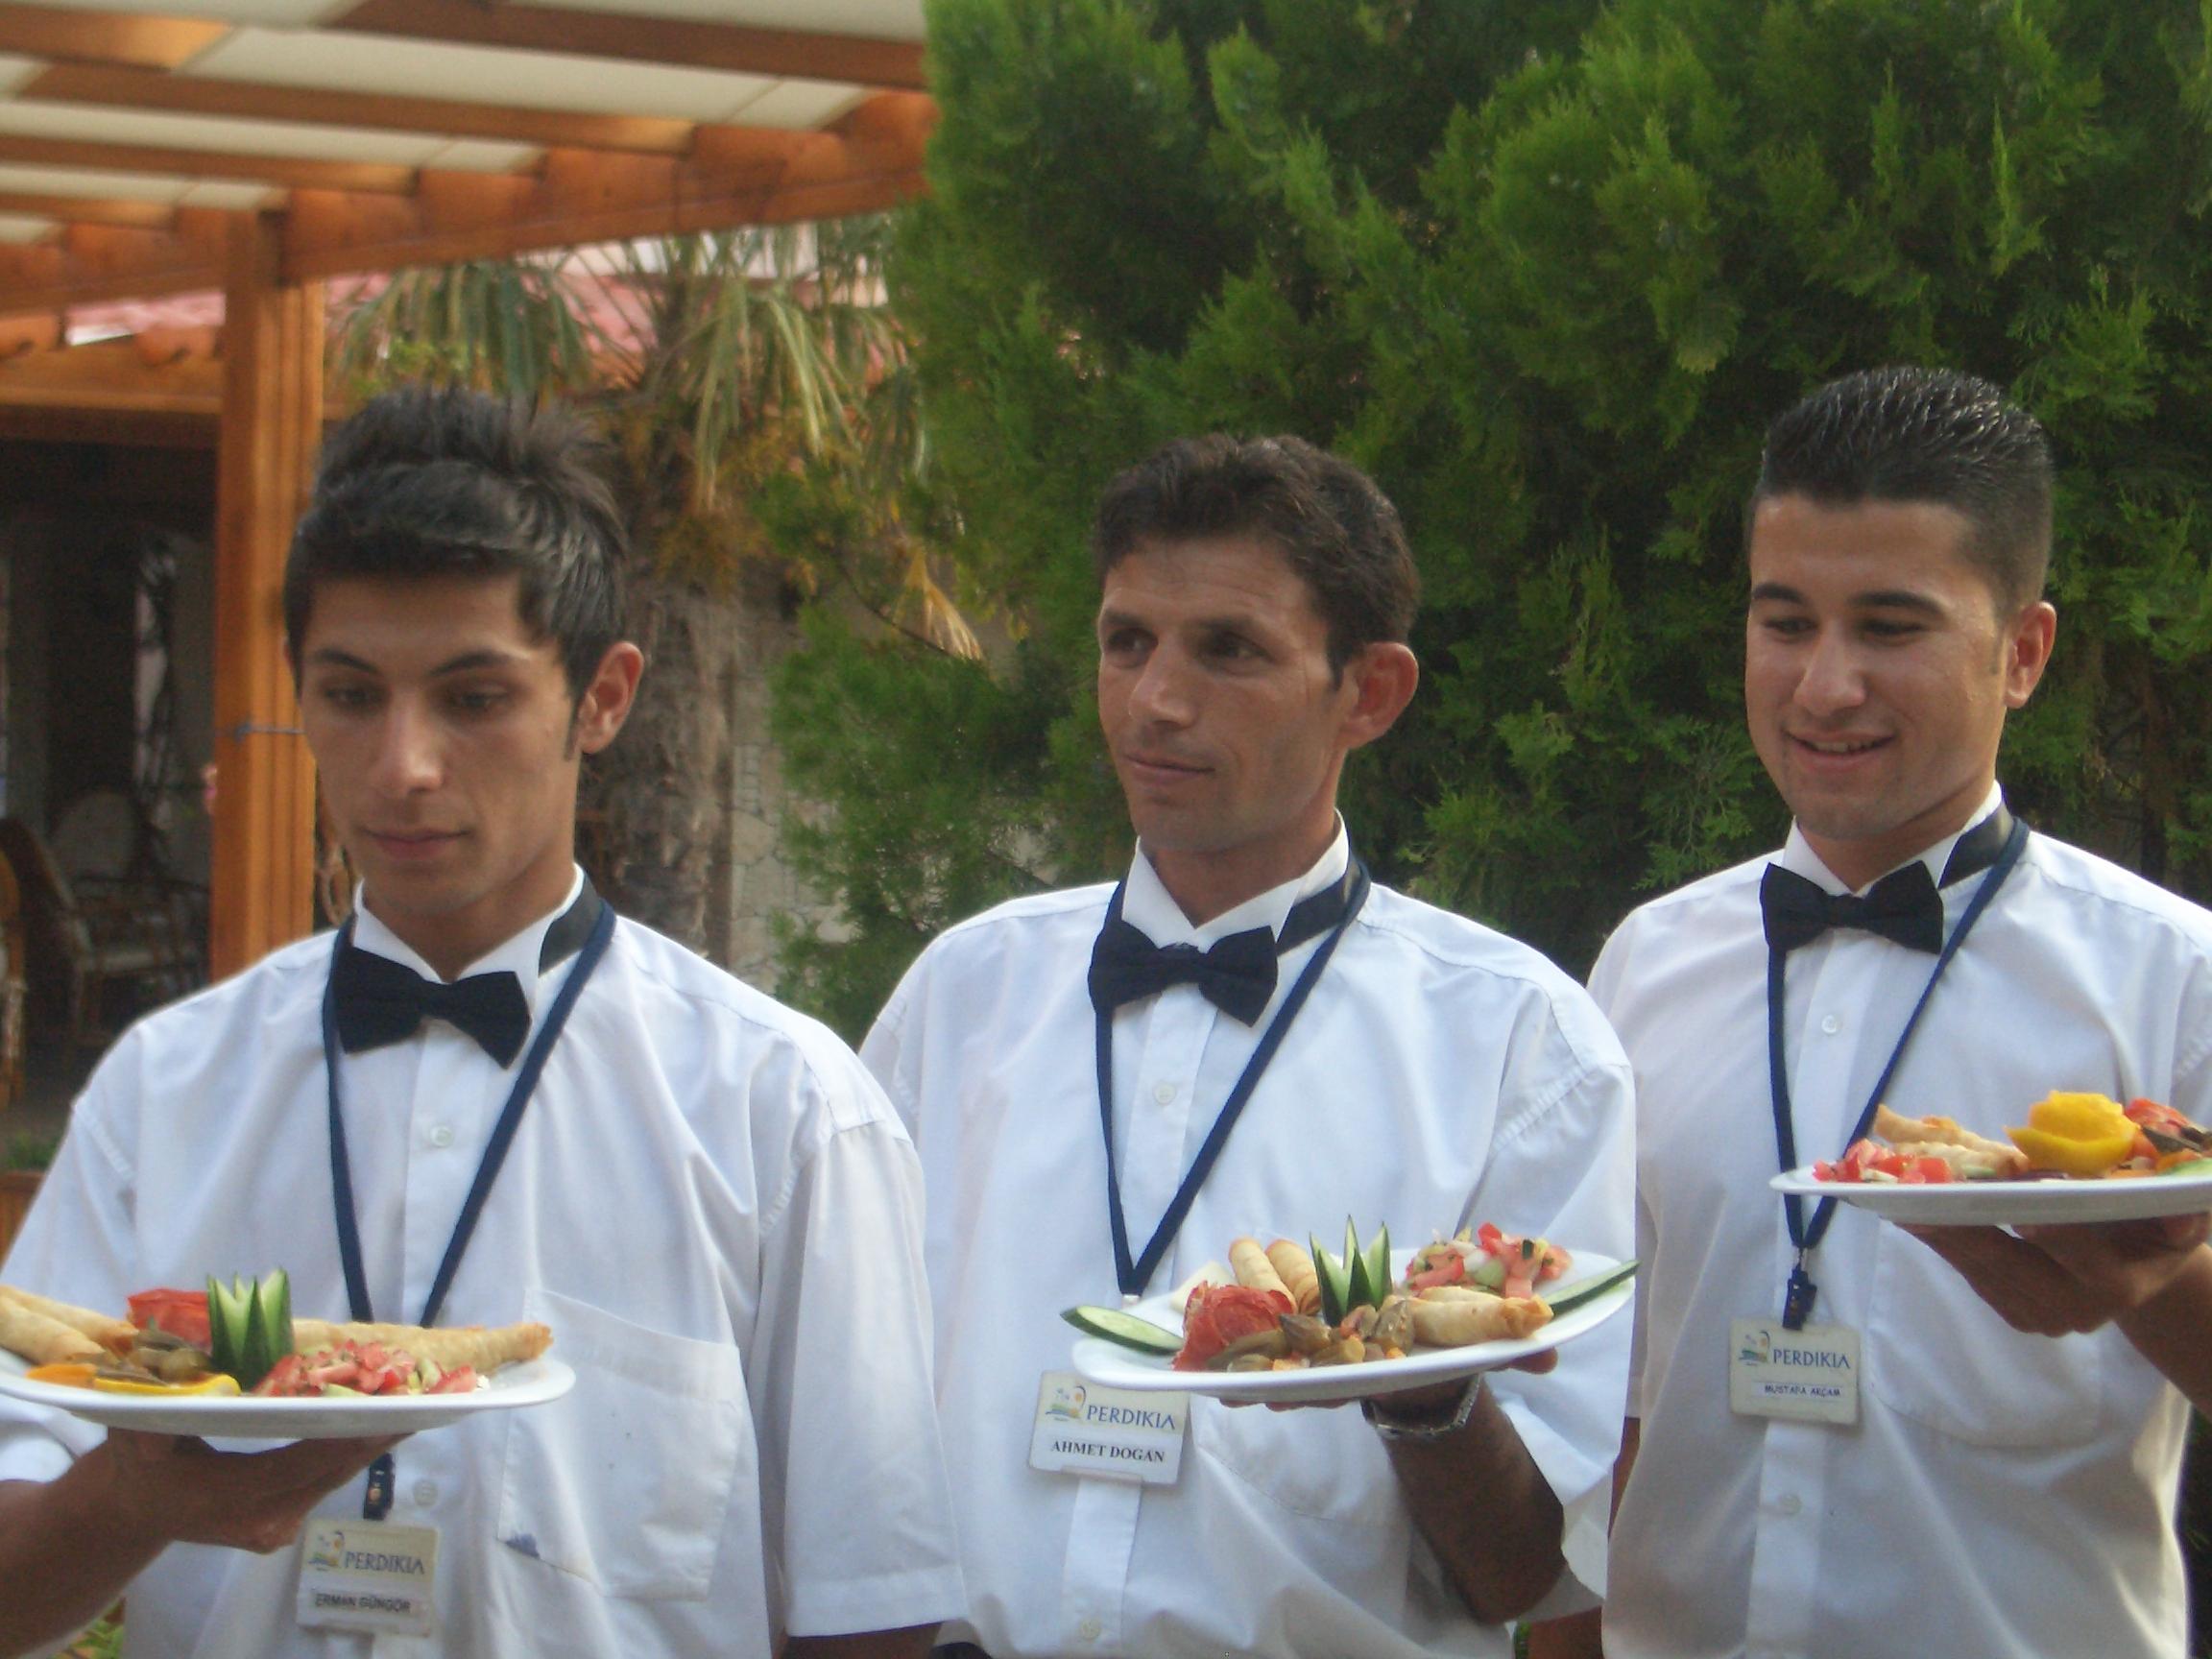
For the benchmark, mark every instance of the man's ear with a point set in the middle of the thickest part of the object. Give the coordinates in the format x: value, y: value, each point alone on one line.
x: 1383, y: 676
x: 608, y: 698
x: 2027, y: 651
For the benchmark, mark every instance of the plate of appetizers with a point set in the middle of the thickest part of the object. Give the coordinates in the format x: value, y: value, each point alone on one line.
x: 2080, y: 1158
x: 1374, y: 1321
x: 261, y: 1417
x: 233, y: 1364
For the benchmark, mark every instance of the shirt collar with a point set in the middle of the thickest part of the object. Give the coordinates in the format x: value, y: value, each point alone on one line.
x: 518, y: 955
x: 1798, y: 856
x: 1147, y: 906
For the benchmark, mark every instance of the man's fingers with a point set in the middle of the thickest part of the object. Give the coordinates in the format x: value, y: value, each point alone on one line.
x: 189, y: 1492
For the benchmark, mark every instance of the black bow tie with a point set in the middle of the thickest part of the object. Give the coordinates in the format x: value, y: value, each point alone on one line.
x: 377, y: 1001
x: 1235, y: 974
x: 1903, y: 906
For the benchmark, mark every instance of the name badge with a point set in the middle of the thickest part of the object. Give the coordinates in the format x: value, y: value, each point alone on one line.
x: 368, y: 1576
x: 1810, y: 1374
x: 1082, y: 1429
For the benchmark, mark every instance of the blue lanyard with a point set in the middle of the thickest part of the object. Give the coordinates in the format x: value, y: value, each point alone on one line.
x: 378, y: 1502
x: 1798, y: 1295
x: 1134, y: 1276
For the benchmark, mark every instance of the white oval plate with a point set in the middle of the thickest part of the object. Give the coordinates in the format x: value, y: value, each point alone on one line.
x: 251, y: 1417
x: 1117, y: 1367
x: 2008, y: 1203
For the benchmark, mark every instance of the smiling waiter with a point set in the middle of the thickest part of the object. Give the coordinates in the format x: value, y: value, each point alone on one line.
x: 488, y: 1099
x: 1987, y: 1466
x: 1248, y: 1035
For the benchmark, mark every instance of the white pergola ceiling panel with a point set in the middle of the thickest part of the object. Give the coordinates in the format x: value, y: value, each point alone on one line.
x: 94, y: 185
x: 230, y: 196
x: 288, y: 140
x: 21, y: 228
x: 277, y: 14
x: 803, y: 104
x: 882, y: 19
x: 261, y: 105
x: 304, y: 59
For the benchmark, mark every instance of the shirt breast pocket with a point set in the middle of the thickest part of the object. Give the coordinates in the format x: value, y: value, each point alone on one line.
x: 626, y: 1480
x: 1937, y: 1354
x: 1324, y: 1465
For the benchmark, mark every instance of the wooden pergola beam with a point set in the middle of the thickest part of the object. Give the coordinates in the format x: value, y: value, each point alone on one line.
x: 737, y: 176
x: 287, y: 172
x: 112, y: 376
x: 91, y: 210
x: 811, y: 55
x: 89, y: 263
x: 149, y: 42
x: 261, y: 877
x: 205, y: 95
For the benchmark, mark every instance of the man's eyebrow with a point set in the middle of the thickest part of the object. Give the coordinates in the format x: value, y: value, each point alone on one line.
x: 1897, y: 599
x: 331, y: 655
x: 1873, y: 599
x: 471, y: 660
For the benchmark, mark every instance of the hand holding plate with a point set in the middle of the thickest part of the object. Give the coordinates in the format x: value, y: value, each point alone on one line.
x: 179, y: 1489
x: 2055, y: 1280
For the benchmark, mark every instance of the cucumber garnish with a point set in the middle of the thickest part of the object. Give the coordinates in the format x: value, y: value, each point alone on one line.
x: 249, y: 1325
x: 1126, y: 1329
x: 1362, y: 1279
x: 1590, y: 1289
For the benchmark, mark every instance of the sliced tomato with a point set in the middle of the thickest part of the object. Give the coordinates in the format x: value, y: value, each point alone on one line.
x: 1437, y: 1264
x: 183, y: 1313
x: 1218, y: 1315
x: 1924, y: 1172
x: 2153, y: 1115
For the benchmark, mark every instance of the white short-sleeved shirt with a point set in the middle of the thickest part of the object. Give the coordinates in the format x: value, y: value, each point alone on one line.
x: 2003, y: 1494
x: 1440, y: 1075
x: 708, y: 1199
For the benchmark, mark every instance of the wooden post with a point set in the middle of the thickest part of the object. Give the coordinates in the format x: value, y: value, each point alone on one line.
x: 264, y: 850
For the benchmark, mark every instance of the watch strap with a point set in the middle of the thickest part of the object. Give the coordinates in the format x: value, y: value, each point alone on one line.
x: 1399, y: 1430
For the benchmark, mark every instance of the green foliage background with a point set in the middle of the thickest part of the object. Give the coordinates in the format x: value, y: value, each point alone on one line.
x: 1545, y: 272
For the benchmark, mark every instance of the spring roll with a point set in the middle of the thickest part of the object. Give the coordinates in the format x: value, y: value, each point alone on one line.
x: 42, y: 1339
x: 443, y: 1346
x: 1967, y: 1153
x: 1295, y: 1268
x: 1456, y: 1316
x: 1253, y: 1271
x: 108, y: 1332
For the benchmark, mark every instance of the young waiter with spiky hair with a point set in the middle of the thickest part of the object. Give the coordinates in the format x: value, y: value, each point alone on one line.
x: 488, y: 1099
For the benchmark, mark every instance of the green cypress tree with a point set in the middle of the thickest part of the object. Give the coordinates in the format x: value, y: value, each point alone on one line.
x: 1545, y: 272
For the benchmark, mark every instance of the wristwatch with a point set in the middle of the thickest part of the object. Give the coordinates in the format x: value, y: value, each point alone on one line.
x: 1422, y: 1431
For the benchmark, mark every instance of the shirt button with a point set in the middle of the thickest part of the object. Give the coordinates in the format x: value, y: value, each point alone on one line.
x: 1163, y: 1093
x: 1831, y: 1025
x: 1089, y: 1629
x: 1790, y: 1503
x: 442, y: 1136
x: 425, y: 1494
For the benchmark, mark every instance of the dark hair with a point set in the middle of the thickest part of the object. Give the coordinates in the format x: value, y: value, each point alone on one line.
x: 428, y: 483
x: 1926, y: 435
x: 1337, y: 530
